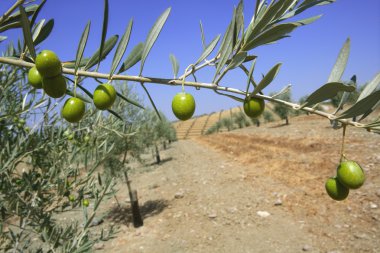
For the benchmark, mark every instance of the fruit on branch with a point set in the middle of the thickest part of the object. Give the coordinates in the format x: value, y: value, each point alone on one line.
x: 35, y: 78
x: 350, y: 174
x: 55, y: 86
x: 86, y: 138
x: 71, y: 198
x: 104, y: 96
x: 253, y: 107
x: 335, y: 189
x: 86, y: 203
x: 70, y: 137
x: 183, y: 105
x: 73, y: 110
x: 48, y: 64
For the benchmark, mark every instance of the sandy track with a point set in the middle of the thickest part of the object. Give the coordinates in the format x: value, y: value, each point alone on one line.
x: 206, y: 196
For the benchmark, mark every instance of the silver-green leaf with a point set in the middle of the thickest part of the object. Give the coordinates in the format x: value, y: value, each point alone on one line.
x: 82, y: 46
x: 26, y: 32
x: 45, y: 32
x: 362, y: 106
x: 175, y: 65
x: 120, y: 50
x: 104, y: 32
x: 208, y: 50
x: 108, y: 46
x: 340, y: 64
x: 133, y: 58
x: 268, y: 78
x: 152, y: 36
x: 327, y: 91
x: 370, y: 87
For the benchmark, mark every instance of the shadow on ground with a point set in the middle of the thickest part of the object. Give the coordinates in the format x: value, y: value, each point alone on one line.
x: 123, y: 214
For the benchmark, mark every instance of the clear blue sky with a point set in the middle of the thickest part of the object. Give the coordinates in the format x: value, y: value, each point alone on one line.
x: 307, y: 56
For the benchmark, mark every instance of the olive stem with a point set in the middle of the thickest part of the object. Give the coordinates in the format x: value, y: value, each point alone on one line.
x: 178, y: 82
x: 342, y: 156
x: 9, y: 12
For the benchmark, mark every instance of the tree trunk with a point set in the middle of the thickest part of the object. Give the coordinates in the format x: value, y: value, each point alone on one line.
x: 286, y: 120
x: 136, y: 215
x: 158, y: 158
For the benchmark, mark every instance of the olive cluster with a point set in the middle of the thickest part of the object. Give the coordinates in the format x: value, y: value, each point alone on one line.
x: 47, y: 74
x: 349, y: 176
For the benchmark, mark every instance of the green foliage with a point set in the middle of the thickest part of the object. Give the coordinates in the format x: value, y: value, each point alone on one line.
x: 281, y: 110
x: 268, y: 117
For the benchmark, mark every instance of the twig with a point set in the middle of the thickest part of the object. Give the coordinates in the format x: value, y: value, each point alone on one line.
x: 179, y: 82
x: 9, y: 12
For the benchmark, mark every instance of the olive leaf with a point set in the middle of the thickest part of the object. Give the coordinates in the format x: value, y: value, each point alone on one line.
x: 327, y: 91
x: 129, y: 100
x: 2, y: 38
x: 276, y: 33
x: 175, y: 65
x: 267, y: 79
x: 104, y: 32
x: 16, y: 16
x: 108, y: 46
x: 361, y: 106
x: 133, y: 58
x: 44, y: 33
x: 152, y: 36
x: 120, y: 50
x: 370, y: 87
x: 340, y: 64
x: 208, y: 50
x: 151, y: 101
x: 345, y: 95
x: 36, y: 12
x: 238, y: 59
x: 26, y: 31
x: 226, y: 47
x: 202, y: 36
x: 81, y: 46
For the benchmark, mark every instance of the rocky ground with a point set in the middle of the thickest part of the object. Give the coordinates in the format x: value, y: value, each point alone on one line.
x: 258, y: 189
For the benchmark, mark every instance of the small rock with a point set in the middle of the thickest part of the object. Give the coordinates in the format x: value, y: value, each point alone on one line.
x: 372, y: 205
x: 361, y: 236
x: 179, y: 195
x: 306, y: 248
x: 212, y: 215
x: 232, y: 209
x: 98, y: 246
x: 153, y: 186
x: 96, y: 222
x: 263, y: 214
x: 378, y: 193
x: 278, y: 202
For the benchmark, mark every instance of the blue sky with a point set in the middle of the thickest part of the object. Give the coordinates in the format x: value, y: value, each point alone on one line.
x: 307, y: 56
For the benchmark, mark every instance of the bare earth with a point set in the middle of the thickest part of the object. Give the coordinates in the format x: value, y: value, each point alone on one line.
x: 208, y: 193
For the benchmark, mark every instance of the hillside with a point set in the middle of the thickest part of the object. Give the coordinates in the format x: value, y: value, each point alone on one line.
x: 197, y: 126
x: 257, y: 189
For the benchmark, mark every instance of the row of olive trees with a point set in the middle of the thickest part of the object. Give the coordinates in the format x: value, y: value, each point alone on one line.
x: 48, y: 167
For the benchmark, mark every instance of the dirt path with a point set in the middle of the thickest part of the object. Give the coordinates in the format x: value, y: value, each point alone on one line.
x: 208, y: 194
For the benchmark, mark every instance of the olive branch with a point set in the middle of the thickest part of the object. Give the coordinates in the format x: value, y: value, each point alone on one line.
x: 266, y: 26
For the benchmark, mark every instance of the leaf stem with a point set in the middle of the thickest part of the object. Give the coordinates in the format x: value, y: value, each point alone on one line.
x: 342, y: 156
